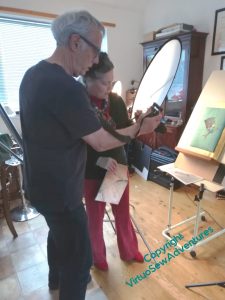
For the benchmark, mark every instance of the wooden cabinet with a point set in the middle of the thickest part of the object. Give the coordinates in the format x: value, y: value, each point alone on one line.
x: 170, y: 138
x: 187, y: 84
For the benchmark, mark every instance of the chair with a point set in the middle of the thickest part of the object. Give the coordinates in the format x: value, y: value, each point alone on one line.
x: 10, y: 188
x: 9, y: 191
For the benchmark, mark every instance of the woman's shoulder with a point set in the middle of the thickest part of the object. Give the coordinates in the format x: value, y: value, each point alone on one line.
x: 115, y: 99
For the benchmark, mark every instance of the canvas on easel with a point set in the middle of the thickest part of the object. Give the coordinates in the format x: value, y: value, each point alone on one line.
x: 204, y: 134
x: 209, y: 137
x: 202, y: 144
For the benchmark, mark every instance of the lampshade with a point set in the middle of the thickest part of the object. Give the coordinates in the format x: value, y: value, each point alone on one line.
x: 117, y: 88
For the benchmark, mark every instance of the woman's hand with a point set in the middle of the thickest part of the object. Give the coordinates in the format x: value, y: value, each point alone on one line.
x: 111, y: 165
x: 137, y: 114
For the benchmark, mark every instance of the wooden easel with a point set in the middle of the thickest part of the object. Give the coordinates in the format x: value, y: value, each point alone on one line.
x: 213, y: 172
x: 207, y: 171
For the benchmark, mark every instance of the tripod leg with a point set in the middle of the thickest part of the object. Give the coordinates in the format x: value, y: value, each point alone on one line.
x: 142, y: 236
x: 198, y: 198
x: 110, y: 221
x: 219, y: 283
x: 170, y: 202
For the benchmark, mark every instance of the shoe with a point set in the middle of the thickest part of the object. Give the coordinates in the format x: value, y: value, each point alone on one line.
x: 103, y: 266
x: 138, y: 257
x: 54, y: 285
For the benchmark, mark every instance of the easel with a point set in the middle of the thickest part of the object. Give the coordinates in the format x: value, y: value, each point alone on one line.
x: 213, y: 95
x: 199, y: 215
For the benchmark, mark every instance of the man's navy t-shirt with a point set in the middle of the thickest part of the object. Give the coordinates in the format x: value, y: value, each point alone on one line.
x: 55, y: 114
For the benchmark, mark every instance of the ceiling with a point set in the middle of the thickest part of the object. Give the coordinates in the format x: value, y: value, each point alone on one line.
x: 133, y: 5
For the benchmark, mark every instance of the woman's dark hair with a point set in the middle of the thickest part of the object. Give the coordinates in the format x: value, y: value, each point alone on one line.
x: 104, y: 65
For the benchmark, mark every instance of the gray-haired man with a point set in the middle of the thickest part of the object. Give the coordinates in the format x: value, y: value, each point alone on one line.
x: 57, y: 121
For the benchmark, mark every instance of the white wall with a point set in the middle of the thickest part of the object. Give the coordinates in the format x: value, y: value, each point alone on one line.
x: 200, y: 13
x: 123, y: 40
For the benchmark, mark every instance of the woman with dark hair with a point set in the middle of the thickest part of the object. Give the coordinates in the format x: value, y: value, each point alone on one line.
x: 112, y: 108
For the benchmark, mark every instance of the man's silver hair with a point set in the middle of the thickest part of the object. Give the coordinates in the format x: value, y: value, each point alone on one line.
x: 80, y: 22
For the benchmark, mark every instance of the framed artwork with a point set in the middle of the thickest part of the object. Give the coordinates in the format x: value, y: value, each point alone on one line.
x: 218, y: 44
x: 222, y: 63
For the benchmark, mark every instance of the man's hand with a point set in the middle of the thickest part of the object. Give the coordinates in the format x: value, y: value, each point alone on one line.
x: 139, y: 115
x: 149, y: 124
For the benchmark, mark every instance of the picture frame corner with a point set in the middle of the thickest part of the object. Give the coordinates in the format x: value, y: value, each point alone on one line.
x: 222, y: 63
x: 218, y: 30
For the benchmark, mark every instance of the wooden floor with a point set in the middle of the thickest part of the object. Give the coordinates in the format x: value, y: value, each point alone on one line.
x: 23, y: 265
x: 150, y: 202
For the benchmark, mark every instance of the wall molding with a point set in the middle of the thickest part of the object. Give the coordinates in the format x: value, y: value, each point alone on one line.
x: 33, y: 13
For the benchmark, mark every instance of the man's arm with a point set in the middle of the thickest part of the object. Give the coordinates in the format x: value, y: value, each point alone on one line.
x: 102, y: 140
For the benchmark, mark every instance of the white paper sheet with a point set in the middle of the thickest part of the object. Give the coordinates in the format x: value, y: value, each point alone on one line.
x: 113, y: 185
x: 185, y: 177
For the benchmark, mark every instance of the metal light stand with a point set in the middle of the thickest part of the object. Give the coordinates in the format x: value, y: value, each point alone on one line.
x: 25, y: 211
x: 142, y: 237
x: 110, y: 220
x: 219, y: 283
x: 136, y: 227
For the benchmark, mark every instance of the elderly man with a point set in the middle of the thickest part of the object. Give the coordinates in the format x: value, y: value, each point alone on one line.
x: 57, y: 121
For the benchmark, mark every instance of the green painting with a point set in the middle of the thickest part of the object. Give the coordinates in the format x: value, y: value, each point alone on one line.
x: 209, y: 129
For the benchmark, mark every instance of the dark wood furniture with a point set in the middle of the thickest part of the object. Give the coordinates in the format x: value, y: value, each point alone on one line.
x: 10, y: 190
x: 186, y: 87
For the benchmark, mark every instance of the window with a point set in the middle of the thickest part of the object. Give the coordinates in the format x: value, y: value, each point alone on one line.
x: 22, y: 44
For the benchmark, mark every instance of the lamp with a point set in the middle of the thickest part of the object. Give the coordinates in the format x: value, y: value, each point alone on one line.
x: 117, y: 87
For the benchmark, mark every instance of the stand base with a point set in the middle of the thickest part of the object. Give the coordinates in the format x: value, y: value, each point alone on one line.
x: 21, y: 214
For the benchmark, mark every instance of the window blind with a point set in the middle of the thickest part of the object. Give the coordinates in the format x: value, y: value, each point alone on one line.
x: 23, y: 43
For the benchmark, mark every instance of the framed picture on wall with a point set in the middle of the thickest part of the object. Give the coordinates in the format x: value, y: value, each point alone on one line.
x: 222, y: 63
x: 218, y: 44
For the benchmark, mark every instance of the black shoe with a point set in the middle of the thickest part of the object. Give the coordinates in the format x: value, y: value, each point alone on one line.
x: 54, y: 284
